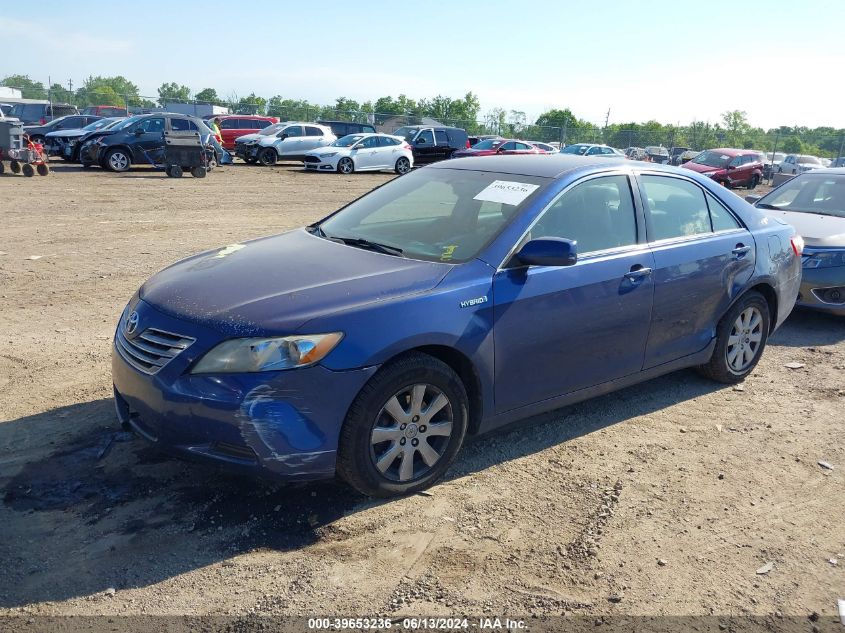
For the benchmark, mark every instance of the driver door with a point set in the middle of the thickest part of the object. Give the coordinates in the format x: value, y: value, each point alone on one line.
x: 561, y: 329
x: 366, y: 153
x: 148, y: 145
x: 292, y: 142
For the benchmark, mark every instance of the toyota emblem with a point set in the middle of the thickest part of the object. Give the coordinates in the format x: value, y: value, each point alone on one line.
x: 131, y: 323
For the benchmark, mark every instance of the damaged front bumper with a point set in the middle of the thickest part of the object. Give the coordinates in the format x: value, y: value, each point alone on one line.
x: 283, y: 424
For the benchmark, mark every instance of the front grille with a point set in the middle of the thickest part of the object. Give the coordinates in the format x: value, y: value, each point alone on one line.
x: 152, y: 349
x: 312, y: 159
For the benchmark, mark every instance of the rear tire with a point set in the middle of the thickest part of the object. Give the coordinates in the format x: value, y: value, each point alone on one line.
x: 740, y: 340
x: 755, y: 180
x: 403, y: 165
x: 268, y: 157
x: 28, y: 170
x: 198, y: 172
x: 175, y: 171
x: 384, y: 447
x: 42, y: 169
x: 15, y: 167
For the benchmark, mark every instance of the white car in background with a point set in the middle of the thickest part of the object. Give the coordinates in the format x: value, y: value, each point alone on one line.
x: 291, y: 142
x: 362, y: 152
x: 798, y: 164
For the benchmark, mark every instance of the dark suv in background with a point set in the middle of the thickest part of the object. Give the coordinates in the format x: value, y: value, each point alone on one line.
x: 343, y: 128
x: 431, y: 143
x: 40, y: 113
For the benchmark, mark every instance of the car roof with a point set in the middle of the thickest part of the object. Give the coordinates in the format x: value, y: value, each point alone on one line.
x: 735, y: 152
x: 327, y: 122
x: 837, y: 171
x: 240, y: 116
x: 543, y: 165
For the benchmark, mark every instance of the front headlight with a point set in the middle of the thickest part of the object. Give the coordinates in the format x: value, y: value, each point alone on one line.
x: 329, y: 155
x: 246, y: 355
x: 825, y: 259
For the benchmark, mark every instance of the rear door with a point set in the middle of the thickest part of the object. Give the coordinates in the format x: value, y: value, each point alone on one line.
x: 702, y: 258
x: 561, y: 329
x: 314, y: 137
x: 443, y: 147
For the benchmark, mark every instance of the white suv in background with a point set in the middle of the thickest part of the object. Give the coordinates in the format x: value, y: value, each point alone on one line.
x: 291, y: 142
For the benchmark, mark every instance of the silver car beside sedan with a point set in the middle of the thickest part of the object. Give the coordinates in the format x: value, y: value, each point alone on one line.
x: 814, y: 203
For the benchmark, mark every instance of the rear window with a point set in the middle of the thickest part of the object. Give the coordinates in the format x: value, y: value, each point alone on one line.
x: 27, y: 111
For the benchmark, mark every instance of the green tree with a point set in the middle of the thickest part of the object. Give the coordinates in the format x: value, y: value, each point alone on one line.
x: 793, y: 145
x: 108, y: 91
x: 29, y: 89
x: 736, y: 125
x: 207, y: 95
x: 251, y: 104
x: 60, y: 94
x: 169, y: 92
x: 292, y: 109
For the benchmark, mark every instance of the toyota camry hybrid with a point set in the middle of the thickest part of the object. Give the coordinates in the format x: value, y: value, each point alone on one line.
x: 452, y: 300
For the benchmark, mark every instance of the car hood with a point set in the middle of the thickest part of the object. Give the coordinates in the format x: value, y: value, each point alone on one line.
x: 275, y: 285
x: 701, y: 169
x: 246, y: 138
x: 328, y: 149
x: 474, y: 152
x: 817, y: 230
x: 66, y: 133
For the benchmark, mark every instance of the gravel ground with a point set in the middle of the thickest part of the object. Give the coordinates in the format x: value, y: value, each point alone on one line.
x: 665, y: 498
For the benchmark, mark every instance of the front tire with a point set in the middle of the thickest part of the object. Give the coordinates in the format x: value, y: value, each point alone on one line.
x: 268, y: 157
x: 118, y: 160
x: 403, y: 166
x: 740, y: 340
x: 345, y: 166
x: 755, y: 180
x: 404, y: 428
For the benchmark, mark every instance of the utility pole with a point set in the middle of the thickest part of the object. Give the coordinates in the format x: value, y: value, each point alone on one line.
x: 841, y: 146
x: 772, y: 170
x: 607, y: 119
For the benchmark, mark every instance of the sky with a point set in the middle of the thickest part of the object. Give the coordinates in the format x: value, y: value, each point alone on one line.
x: 671, y: 61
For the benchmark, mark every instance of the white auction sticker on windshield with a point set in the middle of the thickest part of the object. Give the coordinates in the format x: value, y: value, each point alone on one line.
x: 506, y: 192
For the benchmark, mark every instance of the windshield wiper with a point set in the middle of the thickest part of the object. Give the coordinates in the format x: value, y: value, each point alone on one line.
x: 360, y: 242
x: 766, y: 205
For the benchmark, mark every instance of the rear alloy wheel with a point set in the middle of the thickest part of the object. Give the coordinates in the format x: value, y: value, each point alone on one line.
x: 403, y: 166
x: 345, y: 166
x: 404, y: 427
x: 118, y: 160
x: 268, y: 157
x: 740, y: 340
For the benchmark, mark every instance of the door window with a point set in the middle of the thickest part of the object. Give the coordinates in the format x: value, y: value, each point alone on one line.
x: 522, y: 146
x: 425, y: 136
x: 182, y: 125
x: 598, y: 214
x: 386, y: 141
x: 369, y: 142
x: 293, y: 130
x: 508, y: 146
x: 313, y: 131
x: 720, y: 217
x: 441, y: 137
x: 152, y: 125
x: 677, y: 207
x: 231, y: 124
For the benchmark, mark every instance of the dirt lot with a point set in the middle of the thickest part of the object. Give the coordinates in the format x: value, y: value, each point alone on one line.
x: 661, y: 499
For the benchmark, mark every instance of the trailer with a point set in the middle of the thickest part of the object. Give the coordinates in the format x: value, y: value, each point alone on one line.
x: 23, y: 155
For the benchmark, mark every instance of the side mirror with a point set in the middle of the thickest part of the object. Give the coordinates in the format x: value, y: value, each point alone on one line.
x: 548, y: 251
x: 282, y: 137
x: 731, y: 166
x: 501, y: 150
x: 752, y: 198
x: 138, y: 131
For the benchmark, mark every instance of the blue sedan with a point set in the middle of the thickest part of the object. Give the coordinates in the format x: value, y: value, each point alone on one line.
x: 452, y: 300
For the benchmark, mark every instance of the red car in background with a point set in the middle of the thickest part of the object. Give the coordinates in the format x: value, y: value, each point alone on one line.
x: 729, y: 167
x: 234, y: 125
x: 493, y: 146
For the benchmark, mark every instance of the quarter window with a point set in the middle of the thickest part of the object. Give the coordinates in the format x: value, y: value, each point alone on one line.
x: 720, y: 217
x: 441, y: 137
x: 598, y: 215
x: 677, y: 207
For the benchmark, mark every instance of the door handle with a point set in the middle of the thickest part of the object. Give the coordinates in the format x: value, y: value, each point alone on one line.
x: 740, y: 251
x: 637, y: 273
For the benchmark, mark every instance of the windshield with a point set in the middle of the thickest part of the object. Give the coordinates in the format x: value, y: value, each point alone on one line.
x: 490, y: 143
x: 271, y: 129
x: 822, y: 194
x: 712, y: 159
x: 408, y: 133
x: 808, y: 160
x: 96, y: 125
x: 348, y: 140
x: 439, y: 215
x: 575, y: 149
x: 127, y: 122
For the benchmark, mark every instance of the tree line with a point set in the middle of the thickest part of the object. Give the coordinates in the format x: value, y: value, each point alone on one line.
x: 733, y: 128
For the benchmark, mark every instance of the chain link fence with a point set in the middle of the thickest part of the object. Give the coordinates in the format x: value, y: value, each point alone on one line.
x: 822, y: 142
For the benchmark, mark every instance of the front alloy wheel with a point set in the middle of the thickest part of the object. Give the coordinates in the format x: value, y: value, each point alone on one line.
x: 118, y: 160
x: 404, y: 427
x: 345, y: 166
x: 411, y: 432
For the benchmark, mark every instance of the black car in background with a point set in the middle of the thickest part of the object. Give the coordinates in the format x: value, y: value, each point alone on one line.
x: 41, y: 112
x: 141, y: 140
x: 38, y: 133
x: 675, y: 154
x: 431, y: 143
x: 343, y: 128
